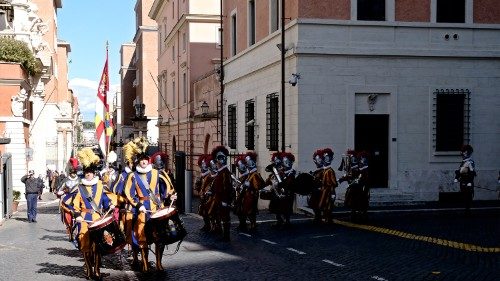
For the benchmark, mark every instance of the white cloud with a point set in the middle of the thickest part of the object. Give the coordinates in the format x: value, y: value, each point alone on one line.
x: 86, y: 91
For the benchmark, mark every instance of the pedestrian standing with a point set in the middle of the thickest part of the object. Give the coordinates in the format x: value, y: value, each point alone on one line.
x: 31, y: 190
x: 465, y: 175
x: 41, y: 185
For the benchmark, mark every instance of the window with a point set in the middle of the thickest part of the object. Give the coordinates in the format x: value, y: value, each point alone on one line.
x: 231, y: 126
x: 272, y: 121
x: 233, y: 35
x: 249, y: 128
x: 184, y: 41
x: 251, y: 22
x: 274, y: 15
x: 164, y: 91
x: 371, y: 10
x: 184, y: 88
x: 452, y: 119
x: 450, y: 11
x: 173, y: 94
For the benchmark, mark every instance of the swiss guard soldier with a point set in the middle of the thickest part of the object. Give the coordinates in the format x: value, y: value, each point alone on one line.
x: 89, y: 203
x: 146, y: 189
x: 465, y: 175
x: 314, y: 199
x: 253, y: 184
x: 329, y: 183
x: 281, y: 179
x: 127, y: 213
x: 67, y: 192
x: 240, y: 194
x: 202, y: 184
x: 223, y: 190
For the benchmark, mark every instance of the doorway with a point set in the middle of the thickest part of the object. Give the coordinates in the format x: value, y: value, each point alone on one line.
x: 371, y: 134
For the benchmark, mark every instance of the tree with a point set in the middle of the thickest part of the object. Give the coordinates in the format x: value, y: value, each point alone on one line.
x: 12, y: 50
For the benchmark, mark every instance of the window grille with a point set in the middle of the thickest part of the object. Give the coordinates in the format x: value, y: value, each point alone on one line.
x: 451, y: 119
x: 249, y: 128
x: 272, y: 122
x: 231, y: 126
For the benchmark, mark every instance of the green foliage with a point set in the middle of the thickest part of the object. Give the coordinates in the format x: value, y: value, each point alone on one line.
x: 12, y: 50
x: 88, y: 125
x: 16, y: 195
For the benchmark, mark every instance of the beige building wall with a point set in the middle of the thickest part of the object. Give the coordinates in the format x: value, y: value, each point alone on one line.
x: 188, y: 34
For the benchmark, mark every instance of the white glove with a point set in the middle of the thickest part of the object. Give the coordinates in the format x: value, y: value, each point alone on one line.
x: 208, y: 193
x: 455, y: 180
x: 142, y: 209
x: 247, y: 183
x: 79, y: 219
x: 224, y: 204
x: 173, y: 197
x: 111, y: 207
x: 469, y: 184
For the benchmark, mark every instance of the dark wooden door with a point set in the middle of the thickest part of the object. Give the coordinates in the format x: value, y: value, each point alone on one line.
x: 371, y: 133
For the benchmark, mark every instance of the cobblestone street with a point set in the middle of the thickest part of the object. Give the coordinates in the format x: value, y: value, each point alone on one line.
x: 390, y: 245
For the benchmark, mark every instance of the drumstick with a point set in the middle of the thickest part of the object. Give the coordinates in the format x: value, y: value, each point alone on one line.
x: 172, y: 202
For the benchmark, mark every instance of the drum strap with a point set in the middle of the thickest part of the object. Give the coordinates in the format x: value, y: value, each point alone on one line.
x: 151, y: 194
x: 89, y: 198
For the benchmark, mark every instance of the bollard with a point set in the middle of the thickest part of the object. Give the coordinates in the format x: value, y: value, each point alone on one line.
x: 188, y: 192
x: 180, y: 167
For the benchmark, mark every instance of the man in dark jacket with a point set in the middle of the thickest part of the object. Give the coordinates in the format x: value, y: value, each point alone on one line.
x: 32, y: 188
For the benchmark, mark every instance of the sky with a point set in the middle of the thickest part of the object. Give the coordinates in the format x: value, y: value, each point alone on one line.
x: 86, y: 26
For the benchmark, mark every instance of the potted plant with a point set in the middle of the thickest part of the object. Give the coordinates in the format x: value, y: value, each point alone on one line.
x: 16, y: 196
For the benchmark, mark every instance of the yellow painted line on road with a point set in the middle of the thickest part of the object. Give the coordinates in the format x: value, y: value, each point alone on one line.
x: 433, y: 240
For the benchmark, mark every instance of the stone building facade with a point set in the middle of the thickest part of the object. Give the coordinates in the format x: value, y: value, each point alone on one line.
x: 393, y: 77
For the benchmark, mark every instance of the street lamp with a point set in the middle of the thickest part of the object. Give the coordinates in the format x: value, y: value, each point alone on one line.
x: 204, y: 108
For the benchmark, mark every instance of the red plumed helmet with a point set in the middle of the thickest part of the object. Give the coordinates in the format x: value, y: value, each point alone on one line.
x: 328, y: 151
x: 275, y: 156
x: 318, y: 152
x: 351, y: 152
x: 252, y: 155
x: 288, y: 155
x: 467, y: 147
x: 159, y: 160
x: 241, y: 158
x: 219, y: 149
x: 72, y: 166
x: 203, y: 158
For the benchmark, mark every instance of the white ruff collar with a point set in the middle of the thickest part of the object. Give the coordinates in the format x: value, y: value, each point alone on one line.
x: 128, y: 170
x: 90, y: 182
x: 141, y: 170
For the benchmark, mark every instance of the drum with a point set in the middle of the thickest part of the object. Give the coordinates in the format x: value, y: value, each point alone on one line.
x: 107, y: 235
x: 304, y: 184
x: 165, y: 227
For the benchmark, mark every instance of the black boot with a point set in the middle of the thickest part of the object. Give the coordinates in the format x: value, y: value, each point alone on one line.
x: 135, y: 258
x: 159, y: 248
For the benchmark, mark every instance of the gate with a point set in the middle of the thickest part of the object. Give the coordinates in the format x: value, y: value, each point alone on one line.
x: 5, y: 185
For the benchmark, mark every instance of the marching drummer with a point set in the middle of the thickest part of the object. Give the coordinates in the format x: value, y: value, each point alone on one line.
x: 89, y: 203
x: 146, y: 189
x: 127, y: 213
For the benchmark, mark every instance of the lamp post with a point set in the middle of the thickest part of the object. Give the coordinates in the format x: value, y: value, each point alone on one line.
x: 283, y: 50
